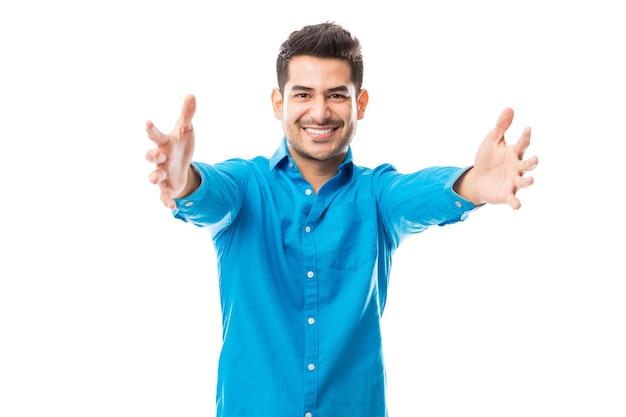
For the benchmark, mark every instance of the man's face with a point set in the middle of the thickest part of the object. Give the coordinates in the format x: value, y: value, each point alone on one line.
x: 319, y: 108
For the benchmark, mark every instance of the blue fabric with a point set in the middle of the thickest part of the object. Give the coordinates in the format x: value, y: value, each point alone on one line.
x: 303, y: 277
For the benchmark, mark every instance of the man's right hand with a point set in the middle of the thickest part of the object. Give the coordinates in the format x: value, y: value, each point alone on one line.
x: 172, y: 156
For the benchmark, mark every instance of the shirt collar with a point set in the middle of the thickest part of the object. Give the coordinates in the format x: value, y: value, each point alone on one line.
x: 281, y: 154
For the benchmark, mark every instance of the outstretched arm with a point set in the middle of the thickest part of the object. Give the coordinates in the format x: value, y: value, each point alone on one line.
x: 172, y: 156
x: 499, y: 168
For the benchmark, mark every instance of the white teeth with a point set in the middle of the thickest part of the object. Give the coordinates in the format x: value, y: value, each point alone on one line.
x: 319, y: 131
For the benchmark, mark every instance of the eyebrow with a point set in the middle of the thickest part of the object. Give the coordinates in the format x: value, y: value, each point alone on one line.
x: 339, y: 89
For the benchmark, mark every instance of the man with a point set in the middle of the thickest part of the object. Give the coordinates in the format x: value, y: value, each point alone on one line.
x: 305, y: 238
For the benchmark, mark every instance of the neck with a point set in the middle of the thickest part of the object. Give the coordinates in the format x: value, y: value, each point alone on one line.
x: 318, y: 172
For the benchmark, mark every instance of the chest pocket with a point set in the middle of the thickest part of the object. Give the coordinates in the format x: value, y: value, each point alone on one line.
x: 348, y: 238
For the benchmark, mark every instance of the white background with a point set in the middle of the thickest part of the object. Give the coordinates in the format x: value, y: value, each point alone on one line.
x: 109, y: 306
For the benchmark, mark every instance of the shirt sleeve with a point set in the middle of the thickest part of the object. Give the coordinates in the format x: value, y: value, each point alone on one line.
x: 411, y: 203
x: 218, y: 197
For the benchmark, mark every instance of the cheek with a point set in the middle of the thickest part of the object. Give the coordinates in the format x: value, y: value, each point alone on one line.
x: 348, y: 114
x: 293, y: 112
x: 347, y: 111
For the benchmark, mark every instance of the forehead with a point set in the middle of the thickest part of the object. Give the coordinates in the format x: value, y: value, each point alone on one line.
x: 319, y: 73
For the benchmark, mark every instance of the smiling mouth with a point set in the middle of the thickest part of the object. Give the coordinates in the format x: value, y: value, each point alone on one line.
x: 319, y: 131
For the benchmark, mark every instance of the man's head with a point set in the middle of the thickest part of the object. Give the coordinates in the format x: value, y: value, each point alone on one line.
x: 324, y: 40
x: 320, y: 98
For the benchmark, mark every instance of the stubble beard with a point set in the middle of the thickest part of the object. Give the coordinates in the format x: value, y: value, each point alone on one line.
x: 336, y: 152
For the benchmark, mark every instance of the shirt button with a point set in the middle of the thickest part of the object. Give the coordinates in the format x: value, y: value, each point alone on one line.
x: 458, y: 203
x: 308, y: 414
x: 307, y: 229
x: 311, y: 367
x: 308, y: 191
x: 311, y: 320
x: 290, y: 164
x: 310, y: 274
x: 189, y: 204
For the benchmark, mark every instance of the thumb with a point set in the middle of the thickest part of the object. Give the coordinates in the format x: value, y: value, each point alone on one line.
x: 503, y: 123
x: 187, y: 112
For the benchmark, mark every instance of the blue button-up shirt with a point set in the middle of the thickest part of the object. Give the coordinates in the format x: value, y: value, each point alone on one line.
x: 303, y: 277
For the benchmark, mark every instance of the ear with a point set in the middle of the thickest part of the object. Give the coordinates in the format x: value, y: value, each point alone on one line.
x: 277, y: 103
x: 361, y: 103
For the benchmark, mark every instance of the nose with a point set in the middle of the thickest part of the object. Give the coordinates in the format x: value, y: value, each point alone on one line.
x: 319, y: 110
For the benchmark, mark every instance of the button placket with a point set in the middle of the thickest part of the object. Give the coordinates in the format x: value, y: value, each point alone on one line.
x: 310, y: 288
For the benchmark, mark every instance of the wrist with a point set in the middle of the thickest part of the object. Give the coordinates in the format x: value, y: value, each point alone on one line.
x: 191, y: 184
x: 465, y: 186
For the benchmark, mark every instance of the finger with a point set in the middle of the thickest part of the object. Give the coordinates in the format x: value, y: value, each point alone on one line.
x: 156, y: 156
x: 523, y: 142
x: 167, y: 200
x: 526, y: 182
x: 155, y: 134
x: 522, y: 182
x: 514, y: 202
x: 157, y: 176
x: 531, y: 163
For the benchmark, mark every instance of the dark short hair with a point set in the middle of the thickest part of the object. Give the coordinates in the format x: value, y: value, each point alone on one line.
x: 324, y: 40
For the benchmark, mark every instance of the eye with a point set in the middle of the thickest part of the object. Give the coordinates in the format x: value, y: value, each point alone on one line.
x: 338, y: 97
x: 301, y: 95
